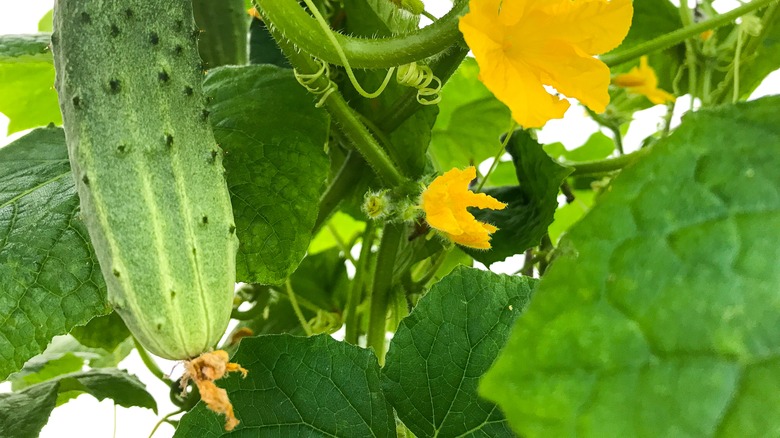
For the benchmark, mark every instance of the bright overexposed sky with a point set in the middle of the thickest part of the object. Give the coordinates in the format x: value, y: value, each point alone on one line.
x: 85, y: 417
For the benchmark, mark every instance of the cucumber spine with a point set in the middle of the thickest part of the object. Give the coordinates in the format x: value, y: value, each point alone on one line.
x: 148, y: 170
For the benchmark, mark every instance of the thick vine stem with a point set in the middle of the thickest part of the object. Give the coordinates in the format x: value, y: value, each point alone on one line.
x: 345, y: 117
x: 288, y: 17
x: 382, y: 285
x: 682, y: 34
x: 351, y: 320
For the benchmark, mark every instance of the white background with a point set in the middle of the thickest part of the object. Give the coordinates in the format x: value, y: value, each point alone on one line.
x: 86, y: 417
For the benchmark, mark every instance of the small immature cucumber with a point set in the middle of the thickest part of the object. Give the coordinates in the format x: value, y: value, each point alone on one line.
x: 148, y: 171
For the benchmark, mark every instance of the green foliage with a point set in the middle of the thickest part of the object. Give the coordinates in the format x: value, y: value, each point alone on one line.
x: 659, y: 324
x: 300, y: 387
x: 470, y: 121
x: 597, y: 147
x: 27, y: 95
x: 23, y: 414
x: 531, y: 204
x: 275, y: 165
x: 443, y: 347
x: 657, y: 303
x: 106, y: 332
x: 49, y: 286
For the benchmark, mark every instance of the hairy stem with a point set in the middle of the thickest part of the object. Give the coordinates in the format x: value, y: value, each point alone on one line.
x: 382, y: 285
x: 351, y: 319
x: 345, y: 117
x: 289, y: 18
x: 682, y: 34
x: 150, y: 363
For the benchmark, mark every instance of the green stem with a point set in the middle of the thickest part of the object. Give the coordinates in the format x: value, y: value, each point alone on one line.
x: 382, y: 285
x: 606, y: 166
x: 305, y: 33
x: 691, y: 55
x: 612, y: 126
x: 751, y: 48
x: 346, y: 118
x: 297, y: 309
x: 682, y: 34
x: 340, y: 243
x: 163, y: 420
x: 349, y: 175
x: 499, y: 154
x: 351, y: 320
x: 737, y: 56
x: 150, y: 363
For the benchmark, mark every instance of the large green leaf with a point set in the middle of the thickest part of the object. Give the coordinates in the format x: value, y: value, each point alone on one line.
x: 273, y: 139
x: 106, y: 332
x: 660, y: 316
x: 531, y: 205
x: 27, y: 94
x: 300, y: 387
x: 443, y: 347
x: 50, y: 280
x: 470, y: 121
x: 23, y: 414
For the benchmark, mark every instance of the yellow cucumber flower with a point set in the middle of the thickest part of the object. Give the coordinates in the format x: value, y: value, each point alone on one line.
x: 523, y: 45
x: 445, y: 202
x: 642, y: 80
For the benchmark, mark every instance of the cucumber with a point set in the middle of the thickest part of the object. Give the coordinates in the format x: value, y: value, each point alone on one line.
x: 223, y: 31
x: 148, y: 170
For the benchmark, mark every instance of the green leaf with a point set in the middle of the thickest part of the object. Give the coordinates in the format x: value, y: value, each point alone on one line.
x: 660, y: 316
x: 567, y: 215
x: 262, y: 46
x: 443, y: 347
x: 40, y: 372
x: 322, y: 280
x: 23, y: 414
x: 378, y: 17
x: 277, y: 316
x: 503, y: 175
x: 273, y: 139
x: 470, y: 121
x: 50, y: 280
x: 27, y: 94
x: 597, y: 147
x: 106, y: 332
x: 344, y: 225
x: 531, y: 205
x: 300, y: 387
x: 45, y: 24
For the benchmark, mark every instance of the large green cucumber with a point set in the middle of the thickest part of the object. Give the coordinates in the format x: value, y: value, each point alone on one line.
x: 148, y: 171
x: 223, y: 31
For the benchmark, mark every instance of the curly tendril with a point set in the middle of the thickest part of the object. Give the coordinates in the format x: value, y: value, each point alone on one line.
x: 343, y: 57
x: 307, y: 80
x: 420, y: 77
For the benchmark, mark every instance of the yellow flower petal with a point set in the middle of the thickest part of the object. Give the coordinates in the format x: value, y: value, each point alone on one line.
x: 523, y: 45
x: 445, y: 202
x: 643, y: 80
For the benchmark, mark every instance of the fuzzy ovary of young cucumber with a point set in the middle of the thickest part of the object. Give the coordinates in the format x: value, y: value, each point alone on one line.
x: 148, y: 170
